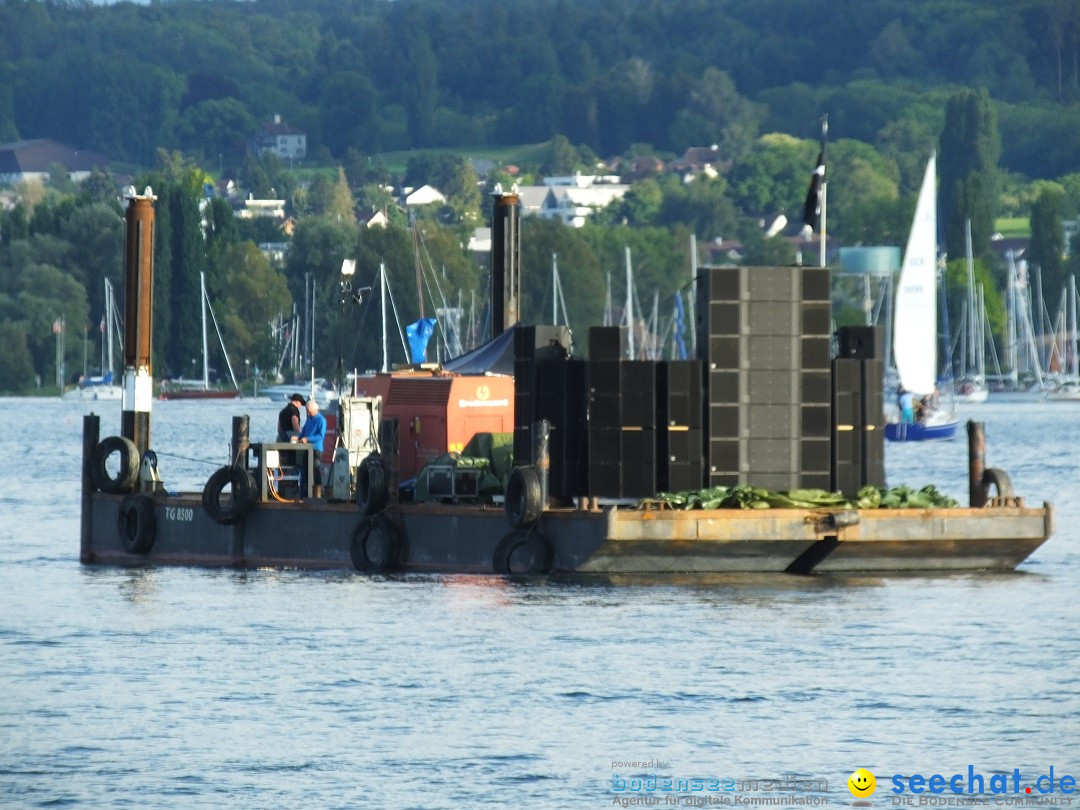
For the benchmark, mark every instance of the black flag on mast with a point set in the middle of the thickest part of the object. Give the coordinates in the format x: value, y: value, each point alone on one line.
x: 812, y: 206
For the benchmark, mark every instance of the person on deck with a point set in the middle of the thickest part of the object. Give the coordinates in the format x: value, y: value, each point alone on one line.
x: 288, y: 421
x: 313, y: 433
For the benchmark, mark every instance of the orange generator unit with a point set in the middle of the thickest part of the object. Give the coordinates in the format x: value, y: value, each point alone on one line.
x: 439, y: 413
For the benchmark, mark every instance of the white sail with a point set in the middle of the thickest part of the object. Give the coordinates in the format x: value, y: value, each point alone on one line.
x: 915, y: 319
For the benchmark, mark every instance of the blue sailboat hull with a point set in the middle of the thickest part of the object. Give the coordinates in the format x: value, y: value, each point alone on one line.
x: 920, y: 431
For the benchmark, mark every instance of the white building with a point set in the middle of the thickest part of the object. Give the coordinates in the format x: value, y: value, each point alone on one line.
x: 281, y: 139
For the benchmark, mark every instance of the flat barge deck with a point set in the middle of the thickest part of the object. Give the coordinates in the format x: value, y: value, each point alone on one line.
x: 131, y: 529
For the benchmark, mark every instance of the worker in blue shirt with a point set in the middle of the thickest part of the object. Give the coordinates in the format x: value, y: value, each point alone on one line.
x: 906, y: 401
x: 313, y: 432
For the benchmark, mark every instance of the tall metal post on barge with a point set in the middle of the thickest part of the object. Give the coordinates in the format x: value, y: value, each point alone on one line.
x: 138, y: 391
x: 505, y: 261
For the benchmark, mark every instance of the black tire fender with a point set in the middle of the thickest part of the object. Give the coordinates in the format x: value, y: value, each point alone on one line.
x: 243, y: 495
x: 522, y: 552
x: 375, y: 545
x: 371, y: 485
x: 999, y: 480
x: 523, y: 506
x: 138, y: 523
x: 128, y: 473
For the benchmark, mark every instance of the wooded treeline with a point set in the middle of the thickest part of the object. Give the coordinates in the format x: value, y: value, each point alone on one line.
x: 173, y: 90
x: 380, y: 76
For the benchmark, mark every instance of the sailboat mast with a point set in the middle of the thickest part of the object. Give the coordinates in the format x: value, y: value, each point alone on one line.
x: 554, y: 289
x: 1075, y: 367
x: 108, y: 327
x: 693, y: 293
x: 630, y: 302
x: 971, y: 351
x: 382, y: 309
x: 205, y: 361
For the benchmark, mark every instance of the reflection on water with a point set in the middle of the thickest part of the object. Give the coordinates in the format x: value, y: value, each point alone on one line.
x: 209, y: 688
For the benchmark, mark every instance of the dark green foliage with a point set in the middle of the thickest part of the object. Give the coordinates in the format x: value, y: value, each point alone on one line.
x: 381, y: 76
x: 16, y: 364
x: 1048, y: 241
x: 968, y: 170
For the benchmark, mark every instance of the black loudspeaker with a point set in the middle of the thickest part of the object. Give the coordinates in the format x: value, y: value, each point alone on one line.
x: 679, y: 477
x: 858, y: 446
x: 543, y: 342
x: 605, y: 480
x: 638, y: 480
x: 605, y: 446
x: 678, y: 393
x: 607, y: 342
x: 860, y: 342
x: 638, y: 446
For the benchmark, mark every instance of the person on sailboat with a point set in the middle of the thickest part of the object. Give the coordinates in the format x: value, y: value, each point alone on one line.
x: 906, y: 400
x: 928, y: 405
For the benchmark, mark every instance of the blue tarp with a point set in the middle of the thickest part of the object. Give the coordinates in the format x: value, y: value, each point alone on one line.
x: 419, y: 333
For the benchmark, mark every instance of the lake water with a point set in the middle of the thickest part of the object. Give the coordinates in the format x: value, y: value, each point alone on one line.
x: 181, y: 687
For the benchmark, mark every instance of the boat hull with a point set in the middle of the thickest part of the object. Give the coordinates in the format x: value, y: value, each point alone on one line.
x: 94, y: 393
x: 466, y: 538
x: 193, y: 394
x: 920, y: 431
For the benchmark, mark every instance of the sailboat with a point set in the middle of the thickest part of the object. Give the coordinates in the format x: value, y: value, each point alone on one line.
x: 103, y: 388
x: 971, y: 388
x: 915, y: 336
x: 200, y: 389
x: 1068, y: 384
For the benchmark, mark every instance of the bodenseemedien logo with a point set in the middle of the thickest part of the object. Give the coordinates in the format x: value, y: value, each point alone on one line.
x: 862, y: 784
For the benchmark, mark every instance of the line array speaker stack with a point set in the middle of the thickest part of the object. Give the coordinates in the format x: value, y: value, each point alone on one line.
x: 621, y: 440
x: 858, y: 446
x: 680, y: 456
x: 549, y: 386
x: 765, y: 341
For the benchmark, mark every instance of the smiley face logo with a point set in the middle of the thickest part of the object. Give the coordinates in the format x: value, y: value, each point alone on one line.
x: 862, y: 783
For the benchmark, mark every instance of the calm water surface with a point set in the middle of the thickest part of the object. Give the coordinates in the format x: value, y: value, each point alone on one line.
x: 194, y: 688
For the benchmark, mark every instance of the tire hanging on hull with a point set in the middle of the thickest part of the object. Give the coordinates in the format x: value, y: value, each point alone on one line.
x: 371, y: 485
x: 999, y: 480
x: 523, y: 506
x: 243, y: 495
x: 138, y: 523
x: 126, y: 476
x: 523, y: 552
x: 375, y: 545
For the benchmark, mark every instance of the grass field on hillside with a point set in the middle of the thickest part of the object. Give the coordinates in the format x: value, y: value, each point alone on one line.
x: 1013, y: 228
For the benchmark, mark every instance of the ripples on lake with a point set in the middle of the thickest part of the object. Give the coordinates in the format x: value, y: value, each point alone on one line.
x: 194, y: 688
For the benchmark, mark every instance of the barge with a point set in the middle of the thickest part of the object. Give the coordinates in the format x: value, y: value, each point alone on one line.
x: 769, y: 403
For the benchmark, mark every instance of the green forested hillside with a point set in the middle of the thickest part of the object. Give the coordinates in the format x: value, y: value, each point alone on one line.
x: 398, y: 92
x: 381, y: 76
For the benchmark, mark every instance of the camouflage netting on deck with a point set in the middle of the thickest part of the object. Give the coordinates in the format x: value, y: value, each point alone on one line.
x: 743, y: 496
x: 491, y: 453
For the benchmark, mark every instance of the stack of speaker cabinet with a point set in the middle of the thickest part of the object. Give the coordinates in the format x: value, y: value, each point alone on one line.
x: 549, y: 386
x: 622, y: 439
x: 764, y: 335
x: 679, y: 440
x: 858, y: 456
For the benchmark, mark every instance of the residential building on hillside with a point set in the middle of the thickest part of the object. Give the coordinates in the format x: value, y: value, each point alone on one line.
x: 278, y: 137
x: 376, y: 218
x: 425, y: 195
x: 531, y: 199
x: 573, y: 205
x: 29, y: 160
x: 253, y: 208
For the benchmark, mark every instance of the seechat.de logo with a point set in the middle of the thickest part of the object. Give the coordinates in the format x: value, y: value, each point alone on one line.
x: 862, y: 784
